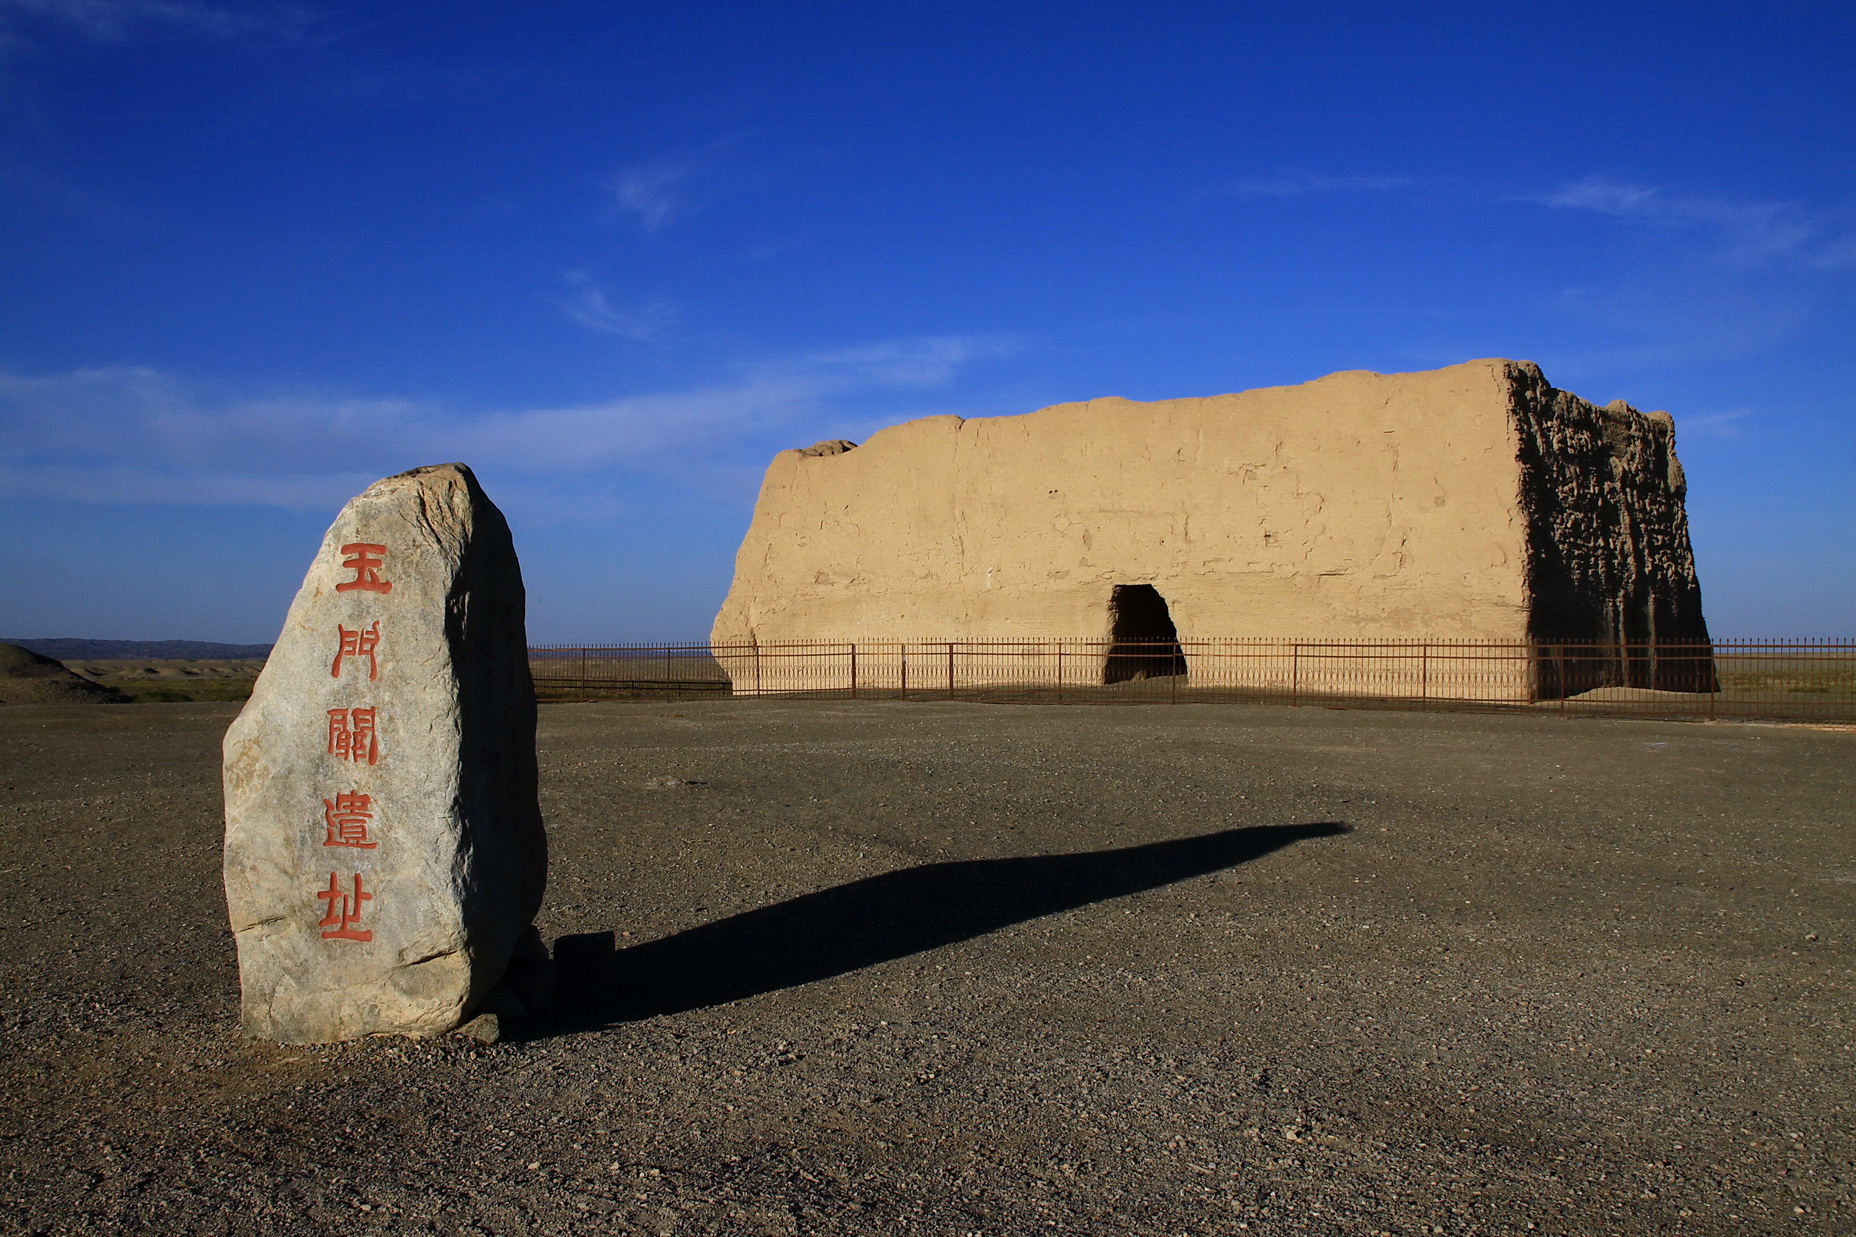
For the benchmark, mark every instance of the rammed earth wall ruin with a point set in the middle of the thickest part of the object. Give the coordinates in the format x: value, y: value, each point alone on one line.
x: 1475, y: 502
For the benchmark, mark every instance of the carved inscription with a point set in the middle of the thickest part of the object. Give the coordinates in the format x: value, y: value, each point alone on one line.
x: 348, y: 817
x: 357, y: 642
x: 354, y: 737
x: 344, y: 913
x: 365, y: 559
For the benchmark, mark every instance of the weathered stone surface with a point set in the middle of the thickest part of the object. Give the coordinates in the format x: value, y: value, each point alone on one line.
x: 28, y: 678
x: 413, y: 609
x: 1473, y: 502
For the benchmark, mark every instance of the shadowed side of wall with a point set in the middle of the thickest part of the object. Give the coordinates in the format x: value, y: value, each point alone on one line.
x: 1609, y: 559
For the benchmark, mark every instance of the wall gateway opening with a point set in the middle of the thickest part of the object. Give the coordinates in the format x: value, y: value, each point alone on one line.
x: 1143, y: 643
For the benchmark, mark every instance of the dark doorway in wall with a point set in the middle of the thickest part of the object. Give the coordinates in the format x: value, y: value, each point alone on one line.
x: 1143, y: 643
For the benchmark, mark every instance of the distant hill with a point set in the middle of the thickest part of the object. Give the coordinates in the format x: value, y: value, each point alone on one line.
x: 190, y: 650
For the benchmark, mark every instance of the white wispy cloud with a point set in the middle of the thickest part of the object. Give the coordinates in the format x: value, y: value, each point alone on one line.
x: 1727, y: 424
x: 916, y: 362
x: 593, y: 309
x: 1669, y: 321
x: 129, y: 434
x: 652, y: 193
x: 1837, y: 255
x: 1747, y: 232
x: 116, y: 20
x: 1302, y: 184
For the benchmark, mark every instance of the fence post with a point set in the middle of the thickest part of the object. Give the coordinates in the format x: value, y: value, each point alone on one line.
x: 1565, y: 677
x: 902, y: 652
x: 950, y: 669
x: 1295, y: 676
x: 853, y: 672
x: 1712, y: 670
x: 1060, y: 674
x: 1424, y: 674
x: 757, y: 667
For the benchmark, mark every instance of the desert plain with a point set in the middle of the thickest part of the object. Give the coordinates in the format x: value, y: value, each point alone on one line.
x: 954, y: 968
x: 171, y: 680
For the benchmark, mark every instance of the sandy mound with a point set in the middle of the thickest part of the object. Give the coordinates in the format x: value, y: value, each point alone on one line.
x: 127, y: 670
x: 1638, y: 695
x: 27, y: 678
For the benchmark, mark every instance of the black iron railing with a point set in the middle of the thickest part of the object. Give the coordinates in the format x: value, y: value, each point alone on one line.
x: 1798, y: 679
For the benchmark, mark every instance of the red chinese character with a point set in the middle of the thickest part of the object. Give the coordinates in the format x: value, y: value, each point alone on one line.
x: 360, y: 642
x: 348, y: 816
x: 365, y: 561
x: 344, y: 911
x: 352, y: 735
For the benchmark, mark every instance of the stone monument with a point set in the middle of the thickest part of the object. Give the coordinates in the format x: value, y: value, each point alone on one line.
x: 1476, y: 502
x: 384, y: 850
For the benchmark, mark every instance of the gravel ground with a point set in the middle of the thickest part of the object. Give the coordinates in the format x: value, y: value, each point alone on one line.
x: 965, y: 969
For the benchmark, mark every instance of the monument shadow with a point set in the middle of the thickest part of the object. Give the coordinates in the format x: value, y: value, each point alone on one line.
x: 870, y: 921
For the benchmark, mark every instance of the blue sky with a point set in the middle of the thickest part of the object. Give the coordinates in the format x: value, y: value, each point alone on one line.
x: 614, y: 255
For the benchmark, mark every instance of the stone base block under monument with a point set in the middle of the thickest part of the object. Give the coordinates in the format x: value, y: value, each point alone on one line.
x: 1468, y: 671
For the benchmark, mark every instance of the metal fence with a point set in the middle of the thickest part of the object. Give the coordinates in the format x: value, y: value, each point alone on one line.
x: 1790, y: 679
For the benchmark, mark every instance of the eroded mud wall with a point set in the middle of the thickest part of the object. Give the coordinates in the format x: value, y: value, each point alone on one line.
x: 1609, y: 559
x: 1360, y: 504
x: 1470, y: 503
